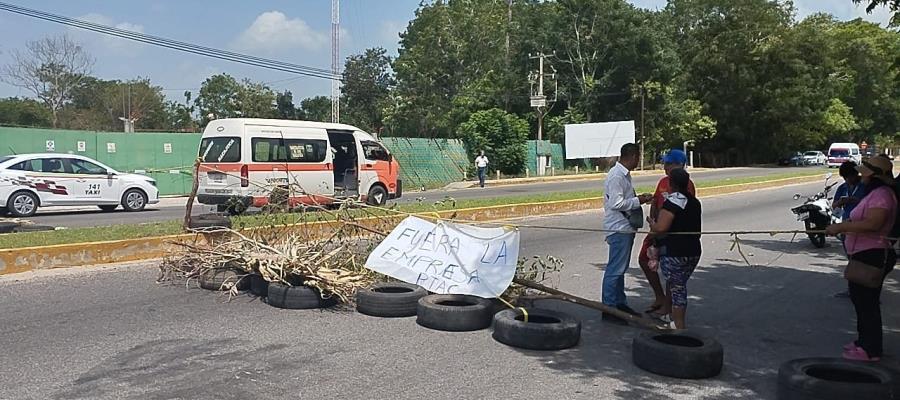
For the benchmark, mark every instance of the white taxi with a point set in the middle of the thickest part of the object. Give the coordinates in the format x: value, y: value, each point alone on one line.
x: 29, y: 181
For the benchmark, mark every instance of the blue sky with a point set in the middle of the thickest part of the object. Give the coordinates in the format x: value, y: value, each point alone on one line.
x: 296, y: 31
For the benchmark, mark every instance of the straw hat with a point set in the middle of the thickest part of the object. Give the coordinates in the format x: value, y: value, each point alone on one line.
x: 878, y: 167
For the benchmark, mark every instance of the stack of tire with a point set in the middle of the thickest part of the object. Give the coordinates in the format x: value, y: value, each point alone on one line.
x: 540, y: 330
x: 294, y: 295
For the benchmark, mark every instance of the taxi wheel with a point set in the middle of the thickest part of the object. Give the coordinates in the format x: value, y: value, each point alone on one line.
x: 134, y: 200
x: 22, y: 204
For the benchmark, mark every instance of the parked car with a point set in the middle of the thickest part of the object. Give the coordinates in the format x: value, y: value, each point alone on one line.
x: 29, y: 181
x: 814, y: 158
x: 795, y: 159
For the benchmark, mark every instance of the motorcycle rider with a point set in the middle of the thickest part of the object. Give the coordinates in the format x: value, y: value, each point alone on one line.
x: 846, y: 197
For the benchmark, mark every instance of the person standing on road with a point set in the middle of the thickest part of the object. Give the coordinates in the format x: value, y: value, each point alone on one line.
x: 679, y: 253
x: 674, y: 159
x: 622, y: 217
x: 868, y: 243
x: 846, y: 197
x: 481, y: 162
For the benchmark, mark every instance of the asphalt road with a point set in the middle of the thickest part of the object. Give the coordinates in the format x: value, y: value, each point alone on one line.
x: 115, y: 334
x: 173, y: 209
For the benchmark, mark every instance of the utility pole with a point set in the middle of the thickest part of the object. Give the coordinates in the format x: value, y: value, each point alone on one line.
x: 335, y: 61
x: 126, y: 111
x: 642, y: 126
x: 539, y: 102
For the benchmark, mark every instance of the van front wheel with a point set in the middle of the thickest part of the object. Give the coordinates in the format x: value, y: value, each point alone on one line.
x: 377, y: 196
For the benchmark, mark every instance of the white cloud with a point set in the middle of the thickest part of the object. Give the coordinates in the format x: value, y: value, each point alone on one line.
x: 272, y: 31
x: 390, y: 31
x: 108, y: 41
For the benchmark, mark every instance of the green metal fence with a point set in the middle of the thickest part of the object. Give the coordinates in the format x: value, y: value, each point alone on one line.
x: 168, y: 157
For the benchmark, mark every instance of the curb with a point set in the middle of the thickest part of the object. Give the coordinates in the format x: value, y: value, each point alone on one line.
x: 85, y: 254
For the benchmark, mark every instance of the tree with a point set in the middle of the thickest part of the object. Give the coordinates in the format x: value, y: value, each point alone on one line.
x: 51, y: 69
x: 285, y: 105
x: 501, y: 135
x: 24, y: 112
x: 224, y: 97
x: 219, y: 96
x: 893, y: 5
x: 99, y: 104
x: 838, y: 120
x: 367, y: 83
x: 256, y: 100
x: 316, y: 109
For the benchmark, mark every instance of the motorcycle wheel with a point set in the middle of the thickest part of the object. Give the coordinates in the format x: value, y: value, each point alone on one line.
x: 817, y: 240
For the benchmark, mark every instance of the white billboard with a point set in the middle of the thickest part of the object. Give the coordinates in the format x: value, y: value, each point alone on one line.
x: 603, y: 139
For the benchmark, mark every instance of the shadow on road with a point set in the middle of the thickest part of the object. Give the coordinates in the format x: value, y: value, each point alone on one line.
x: 763, y: 316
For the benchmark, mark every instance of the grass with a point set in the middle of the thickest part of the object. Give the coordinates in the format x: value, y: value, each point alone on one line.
x: 122, y: 232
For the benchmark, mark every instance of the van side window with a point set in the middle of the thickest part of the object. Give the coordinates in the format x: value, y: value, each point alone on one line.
x: 375, y: 151
x: 288, y: 150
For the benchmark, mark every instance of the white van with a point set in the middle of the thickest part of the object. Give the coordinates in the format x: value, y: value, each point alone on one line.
x: 838, y: 153
x: 244, y: 159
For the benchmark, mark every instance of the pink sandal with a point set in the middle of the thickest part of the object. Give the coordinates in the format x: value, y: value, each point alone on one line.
x: 858, y: 354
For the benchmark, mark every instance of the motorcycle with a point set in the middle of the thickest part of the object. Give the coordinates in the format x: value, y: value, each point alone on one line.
x: 816, y: 213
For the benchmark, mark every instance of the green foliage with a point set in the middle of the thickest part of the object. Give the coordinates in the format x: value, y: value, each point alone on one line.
x: 316, y: 109
x: 367, y: 81
x: 501, y: 135
x: 838, y: 119
x: 893, y: 5
x: 224, y: 97
x: 24, y: 112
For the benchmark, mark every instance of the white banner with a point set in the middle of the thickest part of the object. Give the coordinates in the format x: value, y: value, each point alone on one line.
x: 449, y: 258
x: 603, y: 139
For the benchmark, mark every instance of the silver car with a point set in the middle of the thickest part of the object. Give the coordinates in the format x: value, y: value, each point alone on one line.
x: 814, y: 158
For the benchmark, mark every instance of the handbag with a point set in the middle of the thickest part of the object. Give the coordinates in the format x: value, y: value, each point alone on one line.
x: 635, y: 217
x: 864, y: 274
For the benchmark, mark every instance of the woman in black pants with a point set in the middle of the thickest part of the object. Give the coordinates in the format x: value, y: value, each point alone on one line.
x: 868, y: 242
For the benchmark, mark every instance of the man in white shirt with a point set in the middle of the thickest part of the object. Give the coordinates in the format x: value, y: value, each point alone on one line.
x: 481, y: 162
x: 622, y: 211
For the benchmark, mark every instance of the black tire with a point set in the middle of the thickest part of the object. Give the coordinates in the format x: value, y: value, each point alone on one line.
x: 134, y: 200
x: 206, y: 221
x: 678, y: 354
x: 377, y: 196
x: 454, y: 312
x: 22, y: 204
x: 834, y: 378
x: 33, y: 228
x: 818, y: 240
x: 545, y: 329
x: 109, y: 207
x: 391, y: 299
x: 223, y: 279
x: 259, y: 286
x: 297, y: 297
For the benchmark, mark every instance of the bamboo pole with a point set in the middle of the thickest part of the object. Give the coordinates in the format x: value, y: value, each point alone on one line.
x: 643, y: 322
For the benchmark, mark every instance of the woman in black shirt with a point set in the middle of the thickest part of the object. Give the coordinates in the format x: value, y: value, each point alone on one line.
x: 679, y: 254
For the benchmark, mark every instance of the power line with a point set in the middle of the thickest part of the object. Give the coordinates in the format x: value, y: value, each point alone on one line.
x: 174, y: 44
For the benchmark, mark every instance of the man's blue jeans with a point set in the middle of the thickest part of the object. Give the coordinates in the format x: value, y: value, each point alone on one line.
x: 482, y: 171
x: 620, y: 245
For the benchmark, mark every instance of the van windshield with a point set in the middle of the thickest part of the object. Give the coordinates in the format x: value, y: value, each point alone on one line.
x: 838, y: 153
x: 220, y: 149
